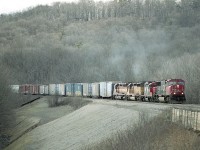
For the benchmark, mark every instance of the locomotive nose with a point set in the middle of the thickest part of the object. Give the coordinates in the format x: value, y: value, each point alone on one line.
x: 178, y: 90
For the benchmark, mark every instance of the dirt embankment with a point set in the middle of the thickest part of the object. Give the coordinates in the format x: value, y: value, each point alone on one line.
x: 87, y: 125
x: 38, y: 113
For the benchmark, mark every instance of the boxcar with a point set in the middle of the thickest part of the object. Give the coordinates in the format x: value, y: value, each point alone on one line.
x: 52, y: 89
x: 106, y: 89
x: 69, y: 89
x: 42, y: 89
x: 85, y: 89
x: 103, y: 89
x: 31, y: 89
x: 24, y: 89
x: 60, y: 89
x: 35, y: 89
x: 95, y: 90
x: 78, y: 89
x: 14, y: 88
x: 89, y: 89
x: 46, y: 89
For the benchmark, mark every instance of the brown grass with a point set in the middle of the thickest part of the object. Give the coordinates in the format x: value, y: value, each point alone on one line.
x: 53, y: 101
x: 75, y: 102
x: 158, y: 134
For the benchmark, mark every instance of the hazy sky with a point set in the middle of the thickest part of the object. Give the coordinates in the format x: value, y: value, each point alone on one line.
x: 9, y: 6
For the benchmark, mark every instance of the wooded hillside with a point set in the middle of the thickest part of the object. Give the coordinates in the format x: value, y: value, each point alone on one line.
x: 128, y: 40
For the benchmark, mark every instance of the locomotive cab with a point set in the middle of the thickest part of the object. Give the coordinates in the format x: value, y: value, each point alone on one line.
x: 175, y: 89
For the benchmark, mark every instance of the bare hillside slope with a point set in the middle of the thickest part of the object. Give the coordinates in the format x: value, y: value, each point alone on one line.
x: 87, y: 125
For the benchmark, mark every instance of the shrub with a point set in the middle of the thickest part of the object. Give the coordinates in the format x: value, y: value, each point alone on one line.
x: 53, y: 101
x: 75, y: 102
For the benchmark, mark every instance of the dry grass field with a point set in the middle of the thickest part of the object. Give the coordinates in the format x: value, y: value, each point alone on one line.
x: 158, y: 134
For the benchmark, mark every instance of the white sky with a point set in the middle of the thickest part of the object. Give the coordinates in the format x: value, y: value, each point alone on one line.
x: 10, y: 6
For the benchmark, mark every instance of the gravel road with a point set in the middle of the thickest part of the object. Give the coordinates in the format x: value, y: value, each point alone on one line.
x: 87, y: 125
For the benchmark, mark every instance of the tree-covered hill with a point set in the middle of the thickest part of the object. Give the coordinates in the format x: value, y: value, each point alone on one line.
x: 128, y: 40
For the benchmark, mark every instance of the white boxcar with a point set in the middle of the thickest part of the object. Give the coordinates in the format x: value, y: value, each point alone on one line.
x: 41, y: 89
x: 14, y: 88
x: 52, y: 89
x: 103, y: 89
x: 85, y: 89
x: 46, y: 89
x: 95, y: 89
x: 89, y: 89
x: 60, y: 89
x: 106, y: 88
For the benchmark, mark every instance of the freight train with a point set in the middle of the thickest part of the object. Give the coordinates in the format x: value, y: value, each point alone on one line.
x: 169, y: 91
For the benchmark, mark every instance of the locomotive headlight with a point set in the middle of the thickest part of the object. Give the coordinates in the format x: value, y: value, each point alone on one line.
x: 174, y: 93
x: 182, y: 93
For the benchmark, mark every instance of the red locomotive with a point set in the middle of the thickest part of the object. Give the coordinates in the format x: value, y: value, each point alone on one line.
x: 171, y: 90
x: 167, y: 90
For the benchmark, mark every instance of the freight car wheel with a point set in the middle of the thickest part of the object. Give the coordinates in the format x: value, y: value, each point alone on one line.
x: 127, y: 98
x: 154, y: 99
x: 140, y: 98
x: 157, y: 99
x: 183, y: 102
x: 165, y: 99
x: 143, y: 99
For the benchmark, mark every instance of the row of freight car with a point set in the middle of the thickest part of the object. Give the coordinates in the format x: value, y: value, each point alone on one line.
x: 68, y: 89
x: 165, y: 90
